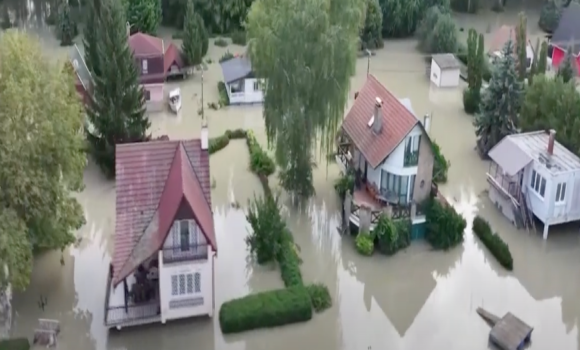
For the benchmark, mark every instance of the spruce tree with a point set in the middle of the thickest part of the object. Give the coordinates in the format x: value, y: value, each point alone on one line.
x: 500, y: 103
x: 568, y: 70
x: 543, y: 59
x: 192, y: 36
x: 66, y: 27
x: 91, y: 32
x: 116, y: 110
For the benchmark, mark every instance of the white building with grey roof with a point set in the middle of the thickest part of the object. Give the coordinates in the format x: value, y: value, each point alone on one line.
x: 533, y: 176
x: 445, y: 70
x: 241, y: 84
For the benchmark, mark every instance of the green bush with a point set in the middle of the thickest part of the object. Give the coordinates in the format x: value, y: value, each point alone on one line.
x: 223, y: 92
x: 260, y: 161
x: 471, y: 99
x: 437, y: 32
x: 226, y: 56
x: 320, y: 296
x: 221, y: 42
x: 220, y: 142
x: 268, y: 228
x: 549, y: 16
x: 445, y: 227
x: 344, y: 184
x: 364, y: 244
x: 267, y: 309
x: 238, y: 38
x: 15, y: 344
x: 403, y: 227
x: 493, y: 242
x: 387, y: 235
x: 289, y: 261
x: 371, y: 37
x: 440, y: 164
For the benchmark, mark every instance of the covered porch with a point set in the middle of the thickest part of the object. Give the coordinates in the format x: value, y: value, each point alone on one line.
x: 136, y: 300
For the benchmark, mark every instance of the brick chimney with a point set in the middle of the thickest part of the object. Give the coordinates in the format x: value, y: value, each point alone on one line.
x: 378, y: 121
x: 551, y: 140
x: 204, y: 136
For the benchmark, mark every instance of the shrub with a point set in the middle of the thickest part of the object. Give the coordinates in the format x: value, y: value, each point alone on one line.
x: 223, y: 92
x: 403, y: 228
x: 220, y: 142
x: 238, y: 38
x: 440, y: 164
x: 445, y: 227
x: 267, y: 309
x: 549, y: 16
x: 437, y: 32
x: 320, y: 296
x: 15, y: 344
x: 387, y: 235
x: 268, y: 228
x: 471, y: 99
x: 221, y: 42
x: 364, y: 244
x: 260, y: 161
x: 344, y: 184
x: 289, y: 261
x: 371, y: 37
x: 493, y: 242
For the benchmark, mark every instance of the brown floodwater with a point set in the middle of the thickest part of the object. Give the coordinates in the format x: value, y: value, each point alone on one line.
x: 417, y: 299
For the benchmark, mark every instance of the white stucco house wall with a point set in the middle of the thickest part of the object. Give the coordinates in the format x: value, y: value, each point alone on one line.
x: 445, y: 70
x: 241, y: 84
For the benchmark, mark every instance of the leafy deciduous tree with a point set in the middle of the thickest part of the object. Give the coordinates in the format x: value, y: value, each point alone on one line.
x: 549, y: 16
x: 371, y: 34
x: 192, y: 36
x: 568, y: 69
x: 437, y: 32
x: 42, y: 158
x: 500, y: 104
x: 401, y: 17
x: 268, y: 229
x: 143, y: 15
x: 307, y: 66
x: 116, y: 112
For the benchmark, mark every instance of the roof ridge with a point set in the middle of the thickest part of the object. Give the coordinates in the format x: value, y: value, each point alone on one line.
x: 195, y: 172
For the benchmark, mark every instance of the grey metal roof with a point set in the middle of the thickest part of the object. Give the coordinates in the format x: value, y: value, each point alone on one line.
x: 236, y: 68
x: 78, y: 62
x: 446, y: 61
x: 509, y: 156
x: 568, y: 31
x: 535, y: 145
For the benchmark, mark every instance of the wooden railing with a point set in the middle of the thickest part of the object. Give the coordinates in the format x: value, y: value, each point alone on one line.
x: 398, y: 212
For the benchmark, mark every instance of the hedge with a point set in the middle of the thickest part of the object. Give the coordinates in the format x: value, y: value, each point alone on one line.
x: 267, y: 309
x: 445, y: 227
x: 260, y: 161
x: 15, y: 344
x: 289, y: 262
x: 220, y: 142
x: 320, y: 296
x: 498, y: 248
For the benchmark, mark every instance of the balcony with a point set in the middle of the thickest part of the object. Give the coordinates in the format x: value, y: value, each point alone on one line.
x: 411, y: 158
x: 180, y: 253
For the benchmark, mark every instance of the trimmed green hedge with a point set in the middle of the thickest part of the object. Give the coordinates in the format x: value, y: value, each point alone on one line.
x: 260, y: 161
x: 493, y: 242
x: 320, y: 296
x: 289, y: 262
x: 220, y: 142
x: 15, y: 344
x: 445, y: 227
x: 267, y: 309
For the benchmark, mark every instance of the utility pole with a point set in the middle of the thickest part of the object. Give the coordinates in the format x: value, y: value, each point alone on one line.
x: 368, y: 61
x: 202, y: 103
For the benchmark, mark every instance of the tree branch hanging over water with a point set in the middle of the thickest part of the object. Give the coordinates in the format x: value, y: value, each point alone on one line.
x: 306, y: 51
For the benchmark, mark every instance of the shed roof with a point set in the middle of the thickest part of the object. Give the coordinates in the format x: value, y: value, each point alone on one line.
x: 398, y: 121
x: 236, y: 68
x: 446, y: 61
x: 153, y: 178
x: 568, y: 31
x: 535, y: 145
x: 509, y: 156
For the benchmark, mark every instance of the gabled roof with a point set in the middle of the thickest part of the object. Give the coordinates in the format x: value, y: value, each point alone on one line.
x: 153, y: 178
x: 509, y: 156
x: 172, y: 56
x: 398, y: 122
x: 568, y: 31
x: 144, y: 45
x: 78, y: 62
x: 236, y: 68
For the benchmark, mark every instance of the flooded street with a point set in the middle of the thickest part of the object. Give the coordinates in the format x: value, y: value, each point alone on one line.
x: 418, y: 299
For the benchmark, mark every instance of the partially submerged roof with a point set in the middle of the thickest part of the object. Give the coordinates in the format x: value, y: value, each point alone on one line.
x: 236, y: 68
x: 535, y: 146
x: 144, y: 45
x: 78, y: 62
x: 398, y: 121
x: 509, y: 156
x: 568, y: 31
x: 153, y: 179
x: 172, y: 57
x: 446, y: 61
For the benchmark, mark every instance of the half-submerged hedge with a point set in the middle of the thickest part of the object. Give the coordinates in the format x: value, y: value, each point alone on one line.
x: 445, y: 227
x: 267, y: 309
x: 220, y: 142
x: 498, y: 248
x: 15, y: 344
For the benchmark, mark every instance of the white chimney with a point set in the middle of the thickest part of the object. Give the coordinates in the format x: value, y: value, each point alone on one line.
x: 427, y: 122
x: 378, y: 116
x: 204, y: 137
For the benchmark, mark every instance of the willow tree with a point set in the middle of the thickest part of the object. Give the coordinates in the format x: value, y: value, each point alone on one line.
x: 306, y: 52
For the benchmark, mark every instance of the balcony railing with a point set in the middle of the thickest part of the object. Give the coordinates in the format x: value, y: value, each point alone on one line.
x: 411, y: 158
x: 120, y: 315
x: 184, y: 253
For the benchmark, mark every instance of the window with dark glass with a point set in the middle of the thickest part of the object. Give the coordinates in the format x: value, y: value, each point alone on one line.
x: 412, y: 150
x: 395, y: 188
x: 184, y: 234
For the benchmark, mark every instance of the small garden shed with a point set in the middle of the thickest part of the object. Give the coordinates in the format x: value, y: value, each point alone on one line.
x: 444, y: 70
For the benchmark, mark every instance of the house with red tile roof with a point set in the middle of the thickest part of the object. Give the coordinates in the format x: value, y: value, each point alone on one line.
x: 165, y: 244
x: 389, y: 150
x: 156, y: 60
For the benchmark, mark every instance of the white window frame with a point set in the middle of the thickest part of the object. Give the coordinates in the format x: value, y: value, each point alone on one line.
x: 256, y: 85
x: 180, y: 284
x: 538, y: 184
x: 144, y: 66
x: 561, y: 193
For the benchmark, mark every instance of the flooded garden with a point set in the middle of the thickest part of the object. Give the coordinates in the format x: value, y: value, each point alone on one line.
x: 418, y: 298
